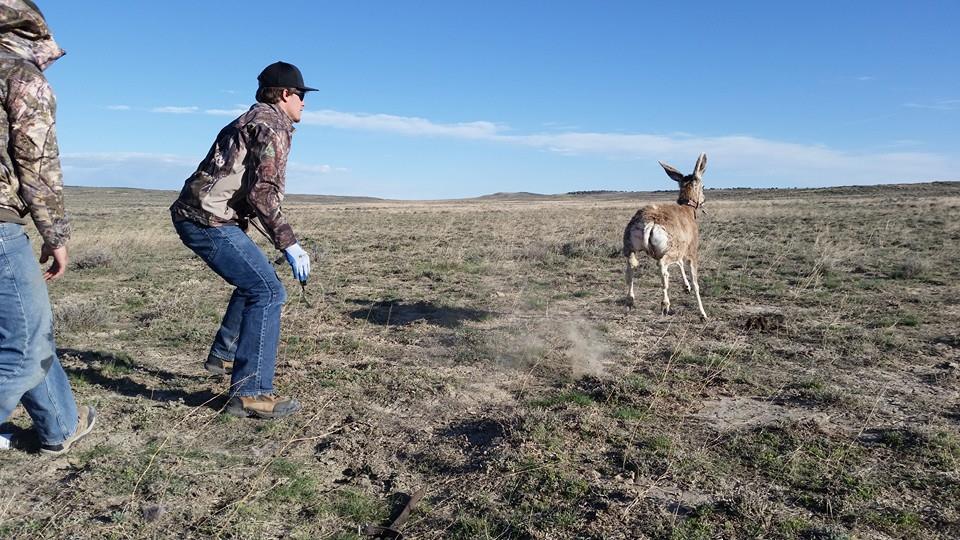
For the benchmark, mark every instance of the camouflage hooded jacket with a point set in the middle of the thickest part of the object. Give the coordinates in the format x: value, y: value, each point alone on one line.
x: 243, y: 176
x: 31, y: 181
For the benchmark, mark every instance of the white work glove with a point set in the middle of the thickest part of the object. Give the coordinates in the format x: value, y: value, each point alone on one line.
x: 299, y: 262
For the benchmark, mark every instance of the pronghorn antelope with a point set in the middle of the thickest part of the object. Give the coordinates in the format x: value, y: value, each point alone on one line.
x: 669, y: 233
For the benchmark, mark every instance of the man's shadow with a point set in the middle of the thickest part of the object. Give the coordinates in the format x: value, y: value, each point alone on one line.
x: 109, y: 371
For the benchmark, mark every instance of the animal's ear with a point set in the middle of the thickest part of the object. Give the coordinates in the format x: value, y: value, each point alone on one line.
x: 701, y: 166
x: 671, y: 172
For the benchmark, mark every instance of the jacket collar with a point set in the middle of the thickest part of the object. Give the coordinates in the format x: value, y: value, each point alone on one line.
x: 26, y: 35
x: 284, y: 119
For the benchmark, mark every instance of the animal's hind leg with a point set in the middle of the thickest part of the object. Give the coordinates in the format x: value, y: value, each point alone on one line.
x: 632, y: 264
x: 696, y: 290
x: 665, y: 303
x: 686, y: 284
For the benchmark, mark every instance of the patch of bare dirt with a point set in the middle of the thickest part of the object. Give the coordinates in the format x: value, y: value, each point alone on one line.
x: 733, y: 413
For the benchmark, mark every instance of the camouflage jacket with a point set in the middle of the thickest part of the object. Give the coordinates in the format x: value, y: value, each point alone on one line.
x: 31, y: 181
x: 243, y: 176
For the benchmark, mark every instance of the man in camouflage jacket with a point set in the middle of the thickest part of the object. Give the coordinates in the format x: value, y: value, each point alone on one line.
x: 241, y: 181
x: 31, y: 185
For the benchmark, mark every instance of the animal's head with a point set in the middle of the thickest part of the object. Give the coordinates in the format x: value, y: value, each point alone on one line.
x: 691, y: 185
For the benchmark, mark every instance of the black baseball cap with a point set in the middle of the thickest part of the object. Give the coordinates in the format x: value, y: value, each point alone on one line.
x: 282, y: 75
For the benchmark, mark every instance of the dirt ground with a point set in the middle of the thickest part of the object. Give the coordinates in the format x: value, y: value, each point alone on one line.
x: 481, y: 351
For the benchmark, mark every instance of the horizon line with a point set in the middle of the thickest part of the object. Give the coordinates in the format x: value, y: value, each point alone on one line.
x: 569, y: 193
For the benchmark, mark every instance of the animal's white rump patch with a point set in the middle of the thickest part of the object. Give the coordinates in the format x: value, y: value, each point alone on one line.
x: 653, y: 239
x: 658, y: 240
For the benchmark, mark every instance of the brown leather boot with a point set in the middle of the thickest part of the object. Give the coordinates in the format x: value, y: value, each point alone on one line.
x: 263, y: 406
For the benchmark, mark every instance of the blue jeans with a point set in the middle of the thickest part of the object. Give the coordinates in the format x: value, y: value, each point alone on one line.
x: 250, y: 331
x: 30, y: 372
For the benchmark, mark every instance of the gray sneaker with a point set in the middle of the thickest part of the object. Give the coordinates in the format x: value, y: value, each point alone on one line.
x: 88, y: 417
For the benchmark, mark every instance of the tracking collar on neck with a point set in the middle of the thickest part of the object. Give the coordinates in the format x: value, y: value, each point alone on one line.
x: 692, y: 204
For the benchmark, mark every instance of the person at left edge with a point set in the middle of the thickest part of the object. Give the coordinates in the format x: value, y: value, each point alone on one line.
x: 31, y: 183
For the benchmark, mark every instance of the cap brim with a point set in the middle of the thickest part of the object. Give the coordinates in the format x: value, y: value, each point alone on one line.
x: 308, y: 89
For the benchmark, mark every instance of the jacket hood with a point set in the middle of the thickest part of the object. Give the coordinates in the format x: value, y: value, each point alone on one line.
x: 24, y: 33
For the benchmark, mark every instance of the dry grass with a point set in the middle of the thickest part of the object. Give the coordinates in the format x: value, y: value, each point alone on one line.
x: 481, y: 349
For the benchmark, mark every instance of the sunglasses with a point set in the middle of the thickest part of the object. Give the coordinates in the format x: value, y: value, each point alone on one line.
x: 299, y: 93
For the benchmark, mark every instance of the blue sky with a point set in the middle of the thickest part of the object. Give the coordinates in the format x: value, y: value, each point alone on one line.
x: 440, y: 99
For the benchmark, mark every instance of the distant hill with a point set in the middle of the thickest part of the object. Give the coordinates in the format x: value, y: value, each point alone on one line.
x: 515, y: 195
x: 595, y: 192
x: 327, y: 199
x: 922, y: 188
x: 123, y: 195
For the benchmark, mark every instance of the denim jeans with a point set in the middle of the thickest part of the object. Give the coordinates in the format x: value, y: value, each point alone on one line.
x: 250, y: 331
x: 30, y: 372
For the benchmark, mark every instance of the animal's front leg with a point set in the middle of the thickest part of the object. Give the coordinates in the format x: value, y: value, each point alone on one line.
x: 629, y: 276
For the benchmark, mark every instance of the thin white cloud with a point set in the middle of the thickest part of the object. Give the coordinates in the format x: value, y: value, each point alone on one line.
x: 557, y: 126
x: 156, y: 170
x: 866, y: 78
x: 751, y: 159
x: 237, y: 110
x: 119, y: 107
x: 175, y: 110
x: 99, y: 159
x: 743, y: 156
x: 305, y: 168
x: 904, y: 143
x: 942, y: 105
x: 126, y: 169
x: 404, y: 125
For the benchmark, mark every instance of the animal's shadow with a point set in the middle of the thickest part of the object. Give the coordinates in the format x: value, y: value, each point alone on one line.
x: 395, y: 312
